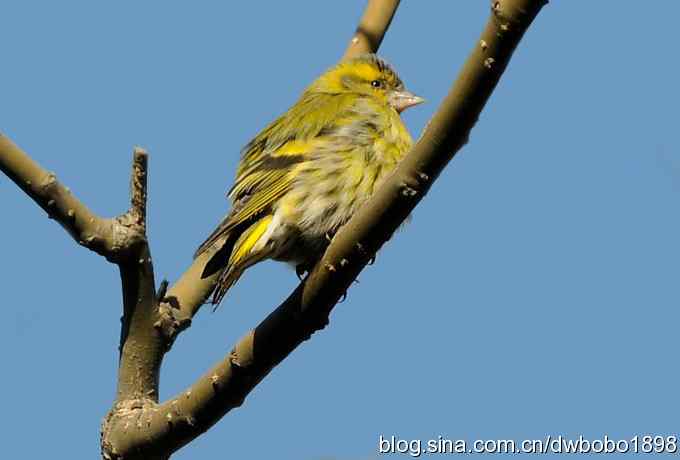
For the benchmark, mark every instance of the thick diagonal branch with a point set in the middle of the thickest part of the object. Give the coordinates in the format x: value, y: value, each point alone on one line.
x: 174, y: 423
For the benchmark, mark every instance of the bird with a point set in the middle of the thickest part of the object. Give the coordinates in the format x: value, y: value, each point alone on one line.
x: 307, y: 172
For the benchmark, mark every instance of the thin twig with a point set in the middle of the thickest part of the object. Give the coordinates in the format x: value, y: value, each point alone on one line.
x: 138, y: 185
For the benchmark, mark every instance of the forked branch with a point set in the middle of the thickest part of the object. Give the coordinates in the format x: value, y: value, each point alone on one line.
x: 224, y: 387
x: 139, y: 427
x: 110, y: 238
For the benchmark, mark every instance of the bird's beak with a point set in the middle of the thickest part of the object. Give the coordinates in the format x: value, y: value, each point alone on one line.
x: 402, y: 100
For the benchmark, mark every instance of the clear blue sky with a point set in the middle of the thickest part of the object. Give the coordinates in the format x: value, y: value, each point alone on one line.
x: 535, y: 291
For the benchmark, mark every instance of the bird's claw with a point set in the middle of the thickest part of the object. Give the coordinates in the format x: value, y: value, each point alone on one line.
x: 300, y: 271
x: 162, y: 290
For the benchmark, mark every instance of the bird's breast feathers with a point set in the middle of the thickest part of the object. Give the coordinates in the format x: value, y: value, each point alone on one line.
x: 314, y: 182
x: 342, y: 171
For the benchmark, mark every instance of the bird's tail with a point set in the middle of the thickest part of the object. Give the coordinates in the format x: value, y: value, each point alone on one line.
x: 238, y: 251
x: 221, y: 232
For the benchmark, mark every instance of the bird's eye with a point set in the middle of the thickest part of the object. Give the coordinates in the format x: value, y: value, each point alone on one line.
x: 376, y: 84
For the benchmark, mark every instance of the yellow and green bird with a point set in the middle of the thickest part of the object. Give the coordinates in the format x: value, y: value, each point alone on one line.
x: 309, y: 171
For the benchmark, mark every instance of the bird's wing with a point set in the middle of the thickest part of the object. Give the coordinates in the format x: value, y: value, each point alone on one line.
x: 258, y: 191
x: 311, y: 118
x: 267, y: 168
x: 257, y: 188
x: 255, y: 193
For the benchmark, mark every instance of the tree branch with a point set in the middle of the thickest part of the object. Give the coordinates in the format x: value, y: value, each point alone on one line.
x: 121, y: 240
x: 106, y: 237
x: 142, y: 347
x: 372, y: 27
x: 171, y: 425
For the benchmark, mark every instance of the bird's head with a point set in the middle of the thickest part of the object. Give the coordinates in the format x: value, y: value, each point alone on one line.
x: 367, y: 75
